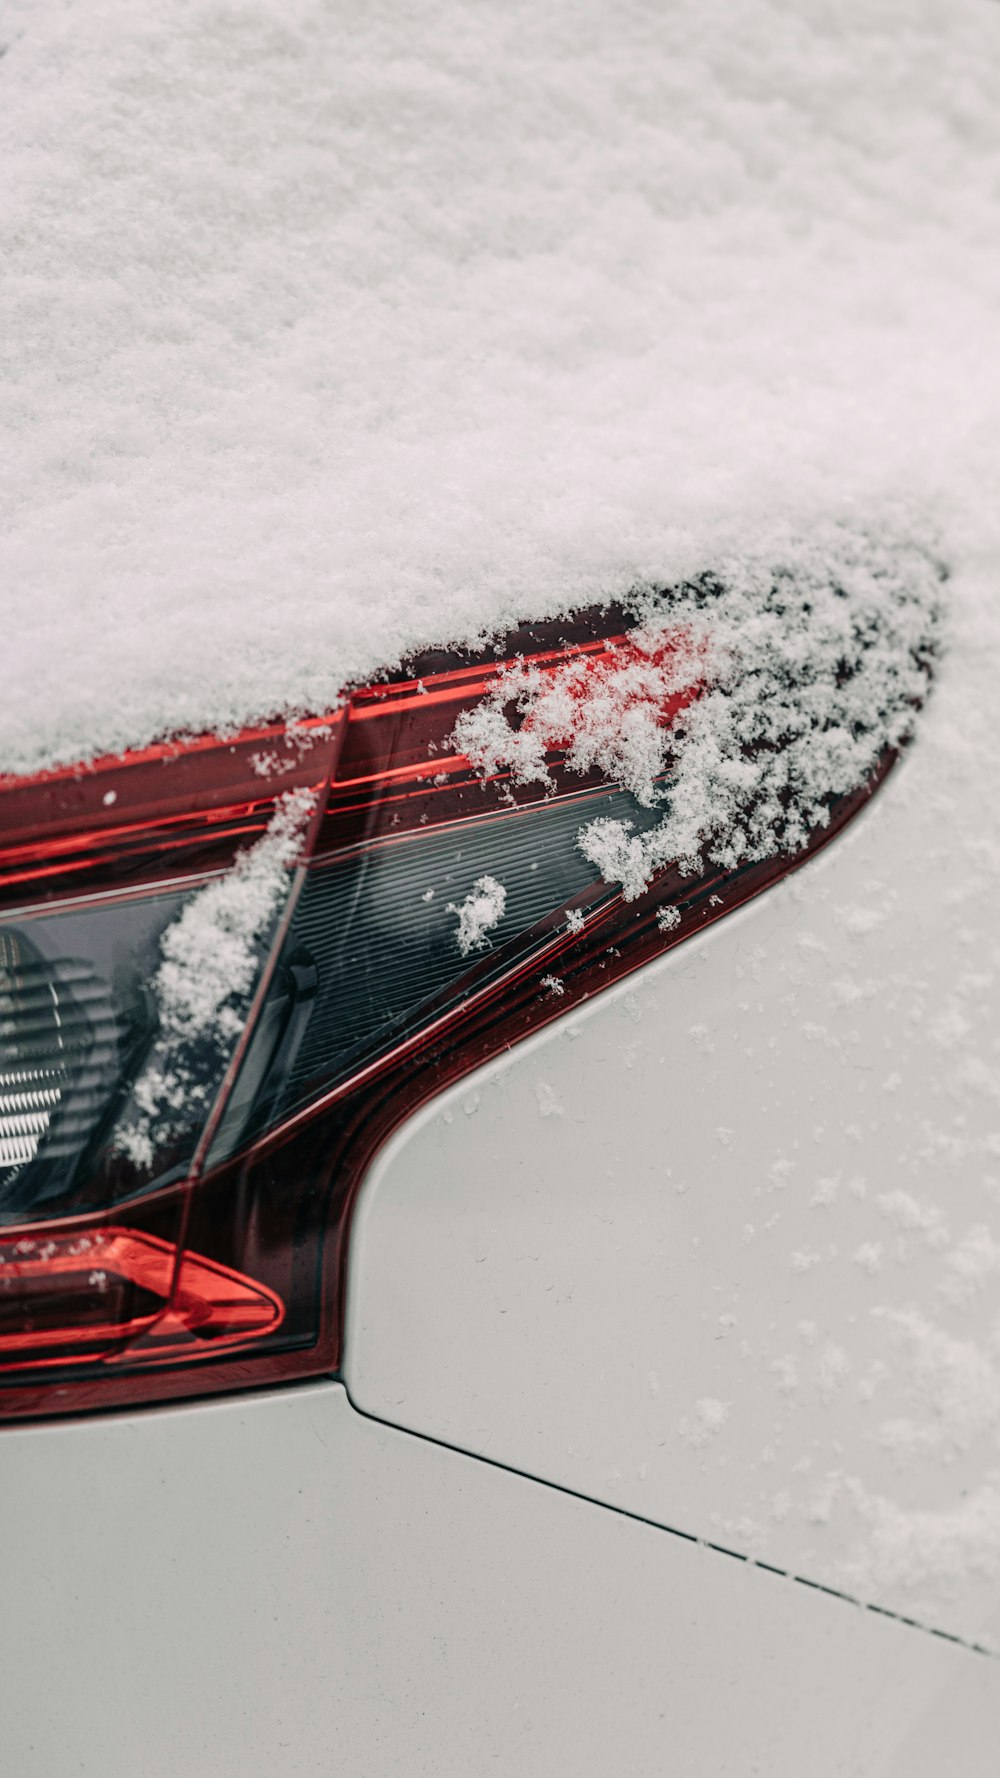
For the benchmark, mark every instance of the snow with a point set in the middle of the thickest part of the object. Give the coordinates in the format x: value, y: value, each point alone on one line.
x: 478, y: 914
x: 908, y: 1548
x: 805, y: 668
x: 709, y: 1418
x: 327, y: 335
x: 203, y: 987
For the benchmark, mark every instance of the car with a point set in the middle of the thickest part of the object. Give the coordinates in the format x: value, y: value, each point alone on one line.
x: 499, y: 1153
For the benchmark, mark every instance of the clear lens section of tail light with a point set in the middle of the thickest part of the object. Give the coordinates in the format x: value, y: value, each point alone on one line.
x: 373, y: 959
x: 185, y: 1120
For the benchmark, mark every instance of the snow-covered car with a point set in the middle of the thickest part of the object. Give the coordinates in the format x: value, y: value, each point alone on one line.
x: 499, y: 1138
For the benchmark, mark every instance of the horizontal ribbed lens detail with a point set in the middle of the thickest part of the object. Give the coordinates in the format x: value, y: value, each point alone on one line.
x: 377, y: 935
x: 382, y: 927
x: 60, y: 1048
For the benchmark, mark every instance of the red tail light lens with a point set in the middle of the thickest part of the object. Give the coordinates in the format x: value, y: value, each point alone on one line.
x: 97, y: 1293
x: 229, y: 969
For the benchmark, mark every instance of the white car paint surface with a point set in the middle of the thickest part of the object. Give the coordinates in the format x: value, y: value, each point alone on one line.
x: 723, y: 1248
x: 276, y: 1585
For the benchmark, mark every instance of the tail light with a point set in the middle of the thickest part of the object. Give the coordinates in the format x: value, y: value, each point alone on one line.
x: 228, y: 969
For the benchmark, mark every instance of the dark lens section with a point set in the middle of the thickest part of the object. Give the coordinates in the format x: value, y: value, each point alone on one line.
x: 77, y: 1024
x: 62, y: 1044
x: 374, y: 949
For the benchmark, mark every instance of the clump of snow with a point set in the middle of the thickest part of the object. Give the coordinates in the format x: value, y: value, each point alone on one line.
x: 549, y: 1103
x: 869, y: 1257
x: 972, y: 1264
x: 924, y: 1222
x: 809, y: 667
x: 907, y: 1548
x: 204, y: 984
x: 332, y: 332
x: 832, y: 1370
x: 709, y: 1417
x: 481, y: 910
x: 668, y: 918
x: 607, y: 713
x: 954, y: 1381
x: 618, y: 853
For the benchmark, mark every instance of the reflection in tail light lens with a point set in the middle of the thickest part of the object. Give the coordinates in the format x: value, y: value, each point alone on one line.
x: 229, y: 969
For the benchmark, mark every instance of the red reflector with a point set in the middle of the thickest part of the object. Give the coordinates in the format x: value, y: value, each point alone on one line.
x: 68, y: 1298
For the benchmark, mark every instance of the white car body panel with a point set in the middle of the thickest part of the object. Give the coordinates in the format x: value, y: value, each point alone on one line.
x: 276, y: 1584
x: 722, y: 1250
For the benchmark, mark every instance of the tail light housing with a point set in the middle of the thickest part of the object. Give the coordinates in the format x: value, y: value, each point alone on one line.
x: 230, y: 967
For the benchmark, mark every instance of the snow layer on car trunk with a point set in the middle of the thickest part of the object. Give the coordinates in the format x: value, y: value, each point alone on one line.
x: 333, y: 333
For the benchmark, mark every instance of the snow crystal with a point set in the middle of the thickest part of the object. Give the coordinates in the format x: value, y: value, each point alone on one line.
x: 971, y: 1265
x: 710, y: 1416
x: 832, y: 1370
x: 924, y: 1221
x: 955, y: 1383
x: 869, y: 1257
x: 481, y: 910
x: 786, y: 1372
x: 549, y: 1103
x: 804, y: 1259
x: 204, y: 984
